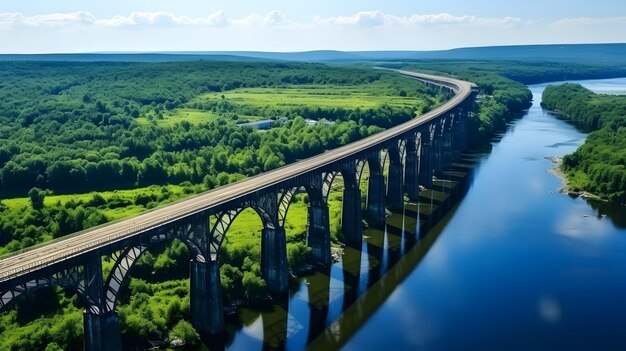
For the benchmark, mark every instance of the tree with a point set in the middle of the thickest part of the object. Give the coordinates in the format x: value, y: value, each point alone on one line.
x: 37, y: 197
x: 184, y: 331
x: 254, y: 287
x: 53, y: 346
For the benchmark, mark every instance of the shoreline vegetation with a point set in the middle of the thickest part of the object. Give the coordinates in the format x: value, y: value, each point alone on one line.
x: 162, y: 159
x: 598, y: 167
x: 566, y: 188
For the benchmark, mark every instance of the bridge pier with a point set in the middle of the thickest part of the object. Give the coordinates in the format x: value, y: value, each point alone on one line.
x: 318, y: 232
x: 102, y: 332
x: 462, y: 140
x: 426, y: 167
x: 456, y: 138
x: 447, y: 151
x: 459, y: 140
x: 395, y: 195
x: 351, y: 216
x: 375, y: 209
x: 205, y: 297
x: 101, y: 329
x: 437, y: 153
x: 274, y: 259
x: 411, y: 182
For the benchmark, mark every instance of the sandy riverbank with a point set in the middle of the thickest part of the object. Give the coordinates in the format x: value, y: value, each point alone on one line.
x: 557, y: 171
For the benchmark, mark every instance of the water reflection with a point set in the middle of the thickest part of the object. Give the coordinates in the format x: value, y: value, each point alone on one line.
x: 328, y: 306
x: 519, y: 266
x: 615, y: 213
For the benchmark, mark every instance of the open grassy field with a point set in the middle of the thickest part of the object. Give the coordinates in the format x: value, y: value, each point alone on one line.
x: 323, y: 96
x: 176, y: 191
x: 351, y: 97
x: 193, y: 116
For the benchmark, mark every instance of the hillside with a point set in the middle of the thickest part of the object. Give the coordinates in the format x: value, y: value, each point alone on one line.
x: 597, y: 54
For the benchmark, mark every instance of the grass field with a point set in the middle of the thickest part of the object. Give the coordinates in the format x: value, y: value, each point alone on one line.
x: 190, y: 115
x: 362, y: 97
x: 324, y: 96
x: 177, y: 191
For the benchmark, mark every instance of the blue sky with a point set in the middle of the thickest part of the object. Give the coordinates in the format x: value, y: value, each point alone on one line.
x: 36, y: 26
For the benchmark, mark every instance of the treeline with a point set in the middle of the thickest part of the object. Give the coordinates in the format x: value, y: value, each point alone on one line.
x: 208, y: 153
x: 33, y: 222
x: 500, y: 98
x: 70, y: 127
x: 503, y: 93
x: 599, y: 165
x: 540, y: 72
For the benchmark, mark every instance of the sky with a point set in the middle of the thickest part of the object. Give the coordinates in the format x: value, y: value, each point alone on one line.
x: 44, y: 26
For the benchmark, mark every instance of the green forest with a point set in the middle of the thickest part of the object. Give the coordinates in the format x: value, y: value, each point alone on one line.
x: 599, y: 165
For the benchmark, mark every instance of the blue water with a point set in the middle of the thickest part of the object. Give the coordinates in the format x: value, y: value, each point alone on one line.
x: 515, y: 266
x: 519, y: 266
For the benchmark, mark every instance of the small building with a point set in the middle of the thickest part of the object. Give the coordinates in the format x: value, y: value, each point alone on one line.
x: 262, y: 125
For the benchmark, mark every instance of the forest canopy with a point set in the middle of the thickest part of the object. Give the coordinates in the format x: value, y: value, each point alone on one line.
x: 73, y: 127
x: 599, y: 165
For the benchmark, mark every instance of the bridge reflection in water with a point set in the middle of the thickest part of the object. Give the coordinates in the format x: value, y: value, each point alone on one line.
x: 328, y: 306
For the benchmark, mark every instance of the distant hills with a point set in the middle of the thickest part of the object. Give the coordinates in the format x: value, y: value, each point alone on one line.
x: 599, y: 54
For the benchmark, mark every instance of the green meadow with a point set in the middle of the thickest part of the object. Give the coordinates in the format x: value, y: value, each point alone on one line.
x: 22, y: 204
x: 323, y: 96
x: 253, y: 104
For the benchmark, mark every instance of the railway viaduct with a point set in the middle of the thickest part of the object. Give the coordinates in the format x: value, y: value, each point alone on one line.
x: 416, y: 151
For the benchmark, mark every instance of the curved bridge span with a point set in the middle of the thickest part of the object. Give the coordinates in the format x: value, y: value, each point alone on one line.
x: 416, y: 150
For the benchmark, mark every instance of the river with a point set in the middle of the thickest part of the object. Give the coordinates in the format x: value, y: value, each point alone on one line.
x: 514, y: 265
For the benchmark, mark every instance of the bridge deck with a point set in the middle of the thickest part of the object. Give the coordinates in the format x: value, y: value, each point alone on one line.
x: 29, y: 260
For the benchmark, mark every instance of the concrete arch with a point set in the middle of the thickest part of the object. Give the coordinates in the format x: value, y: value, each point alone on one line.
x: 224, y: 220
x: 285, y: 197
x: 72, y: 279
x: 124, y: 262
x: 191, y: 233
x: 329, y: 178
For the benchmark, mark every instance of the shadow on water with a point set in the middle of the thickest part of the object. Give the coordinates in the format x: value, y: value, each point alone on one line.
x: 616, y: 213
x: 397, y: 251
x: 326, y: 307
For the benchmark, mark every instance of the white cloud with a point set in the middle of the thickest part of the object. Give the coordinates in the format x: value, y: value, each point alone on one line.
x: 378, y: 18
x: 590, y: 21
x: 47, y: 20
x: 275, y: 18
x: 218, y: 18
x: 145, y: 19
x: 276, y: 31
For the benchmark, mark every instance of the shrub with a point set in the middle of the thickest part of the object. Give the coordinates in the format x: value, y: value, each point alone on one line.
x: 185, y: 332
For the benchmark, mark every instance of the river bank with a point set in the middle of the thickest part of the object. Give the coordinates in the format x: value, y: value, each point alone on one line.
x: 557, y: 171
